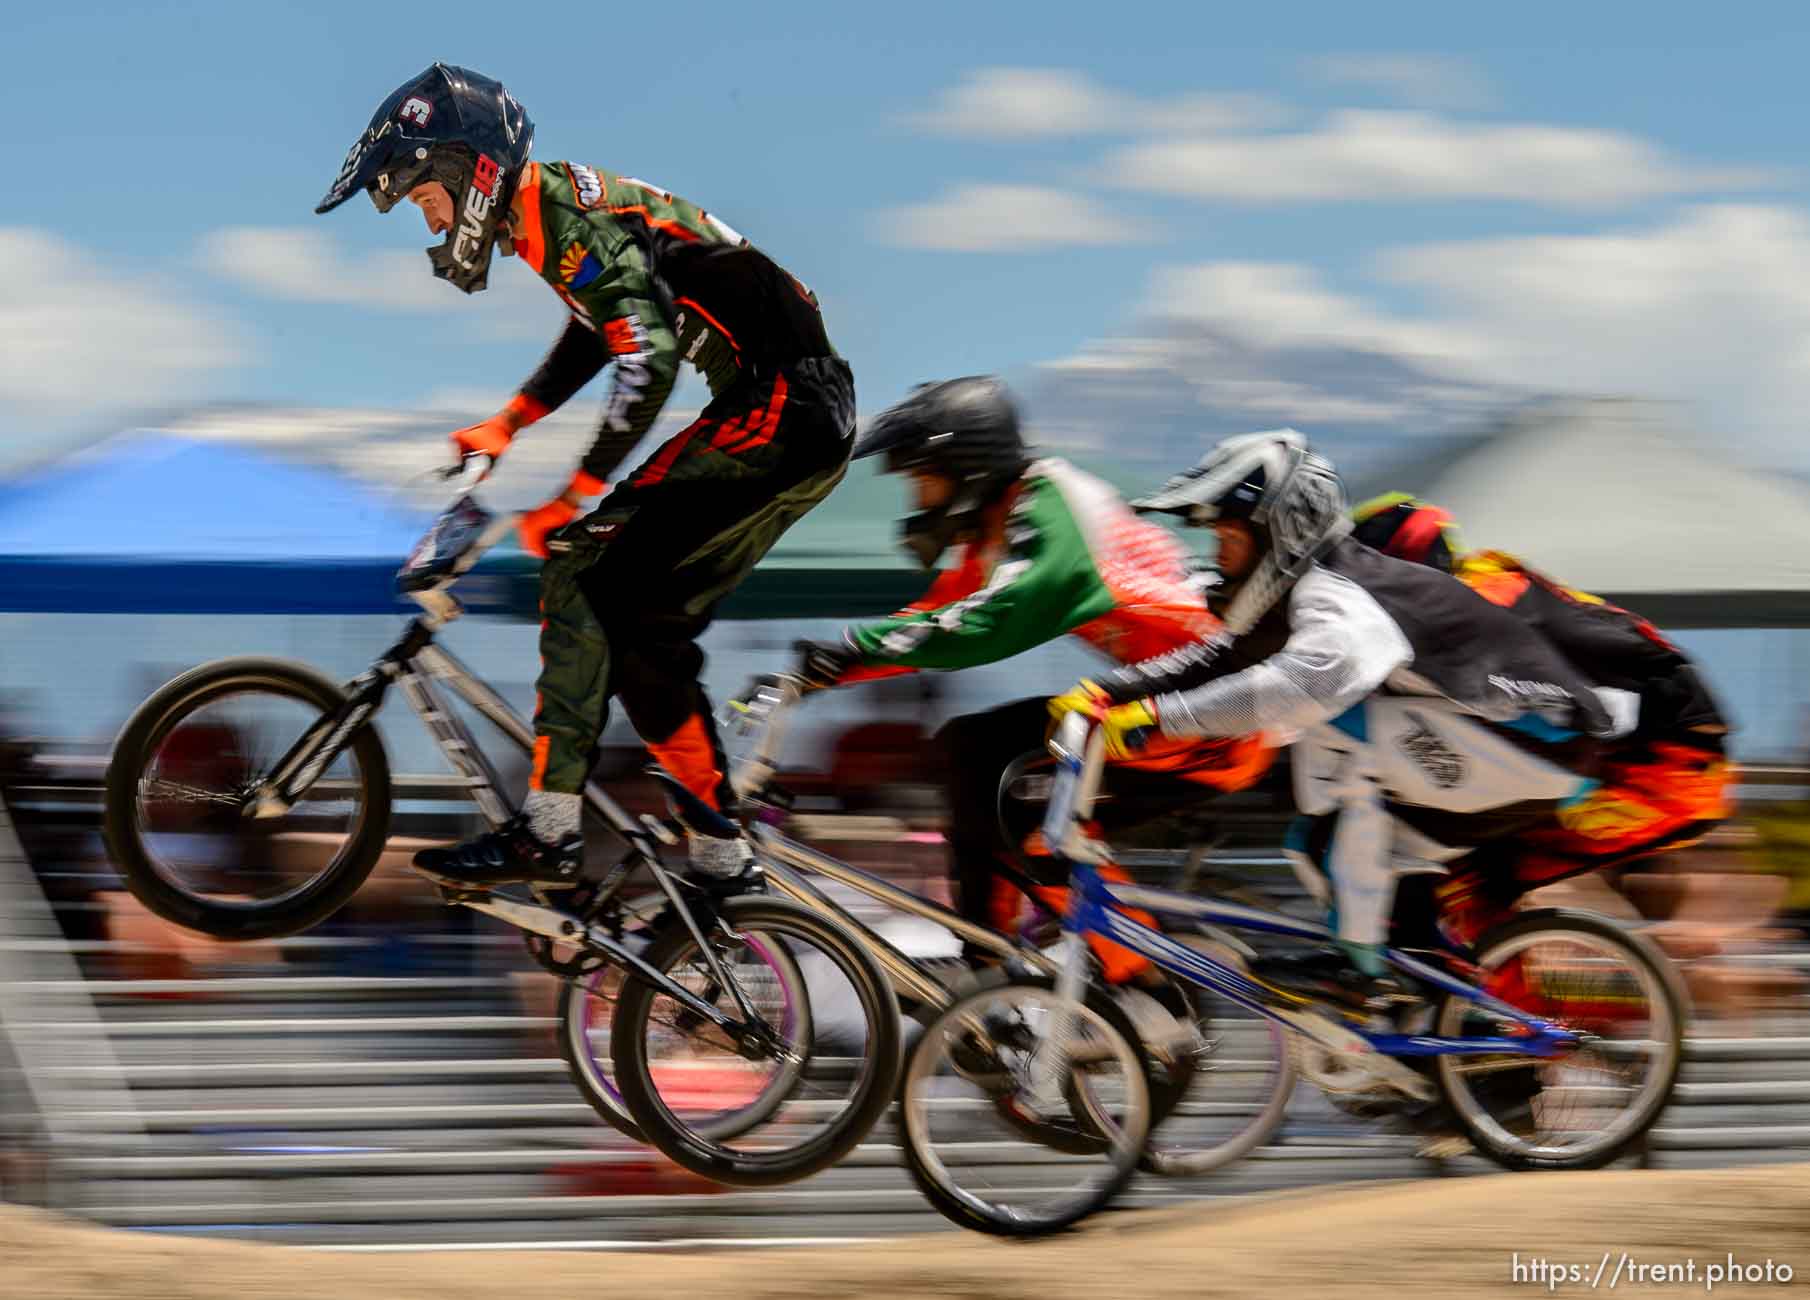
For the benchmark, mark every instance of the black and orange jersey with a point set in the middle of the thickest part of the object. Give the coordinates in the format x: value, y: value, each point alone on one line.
x: 651, y: 281
x: 1610, y: 645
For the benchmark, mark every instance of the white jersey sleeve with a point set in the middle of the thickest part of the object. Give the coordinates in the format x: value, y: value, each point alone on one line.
x: 1341, y: 647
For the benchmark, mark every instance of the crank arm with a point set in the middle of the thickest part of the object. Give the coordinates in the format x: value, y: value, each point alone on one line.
x: 562, y: 927
x: 1347, y: 1043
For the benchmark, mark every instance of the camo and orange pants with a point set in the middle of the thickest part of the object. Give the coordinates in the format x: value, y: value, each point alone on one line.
x: 631, y: 586
x: 1652, y: 797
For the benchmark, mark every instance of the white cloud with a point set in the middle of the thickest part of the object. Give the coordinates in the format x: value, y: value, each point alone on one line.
x: 295, y: 264
x: 1009, y: 218
x: 1225, y: 348
x: 1032, y: 103
x: 304, y: 264
x: 1179, y: 379
x: 1710, y: 307
x: 1273, y: 305
x: 1426, y: 80
x: 398, y: 450
x: 1392, y: 155
x: 81, y: 341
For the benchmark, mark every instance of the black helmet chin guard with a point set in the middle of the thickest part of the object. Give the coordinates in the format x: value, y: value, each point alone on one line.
x: 928, y: 533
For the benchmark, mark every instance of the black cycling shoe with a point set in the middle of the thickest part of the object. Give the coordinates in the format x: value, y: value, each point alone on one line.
x: 1325, y: 974
x: 508, y: 855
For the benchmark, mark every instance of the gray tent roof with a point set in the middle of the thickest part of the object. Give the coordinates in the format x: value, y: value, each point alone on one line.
x: 1607, y: 496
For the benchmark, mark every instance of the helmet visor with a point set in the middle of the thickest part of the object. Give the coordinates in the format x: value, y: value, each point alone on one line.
x: 1207, y: 498
x: 1231, y: 480
x: 367, y: 157
x: 897, y: 434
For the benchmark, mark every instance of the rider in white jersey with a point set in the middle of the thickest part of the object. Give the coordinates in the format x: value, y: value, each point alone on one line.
x: 1422, y: 716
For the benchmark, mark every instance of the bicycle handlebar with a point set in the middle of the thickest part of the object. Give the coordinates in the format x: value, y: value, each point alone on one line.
x: 1078, y: 745
x: 483, y: 460
x: 763, y: 708
x: 460, y: 536
x: 500, y: 527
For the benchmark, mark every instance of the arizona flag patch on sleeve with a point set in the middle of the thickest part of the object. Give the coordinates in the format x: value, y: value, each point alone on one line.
x: 578, y: 266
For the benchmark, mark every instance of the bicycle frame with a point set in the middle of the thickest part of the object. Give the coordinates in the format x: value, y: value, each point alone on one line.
x: 415, y: 665
x: 1093, y: 909
x: 786, y: 862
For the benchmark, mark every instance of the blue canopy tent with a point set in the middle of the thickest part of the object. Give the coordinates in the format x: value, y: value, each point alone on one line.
x: 149, y: 523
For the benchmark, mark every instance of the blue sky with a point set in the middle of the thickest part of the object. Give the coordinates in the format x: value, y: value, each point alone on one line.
x: 1390, y: 216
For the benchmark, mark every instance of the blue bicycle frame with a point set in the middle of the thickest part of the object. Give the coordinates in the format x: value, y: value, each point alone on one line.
x: 1094, y: 901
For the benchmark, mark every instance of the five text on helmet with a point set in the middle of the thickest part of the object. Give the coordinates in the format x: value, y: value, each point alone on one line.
x: 480, y: 198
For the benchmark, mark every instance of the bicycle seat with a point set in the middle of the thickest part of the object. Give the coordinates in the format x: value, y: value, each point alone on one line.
x: 693, y: 811
x: 436, y: 556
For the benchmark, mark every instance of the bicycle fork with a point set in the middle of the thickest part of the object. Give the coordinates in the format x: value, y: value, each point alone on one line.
x: 1050, y: 1064
x: 301, y: 766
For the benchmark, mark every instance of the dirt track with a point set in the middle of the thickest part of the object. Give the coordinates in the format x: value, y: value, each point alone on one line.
x: 1437, y: 1239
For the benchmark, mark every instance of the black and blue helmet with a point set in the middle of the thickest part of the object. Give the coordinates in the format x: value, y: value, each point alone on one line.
x: 453, y: 126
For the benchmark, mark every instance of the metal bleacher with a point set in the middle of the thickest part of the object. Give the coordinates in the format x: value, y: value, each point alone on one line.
x: 298, y: 1104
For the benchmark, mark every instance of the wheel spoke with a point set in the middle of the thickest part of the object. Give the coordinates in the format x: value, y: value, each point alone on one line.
x: 199, y: 767
x: 785, y: 1110
x: 976, y: 1145
x: 1581, y: 1106
x: 163, y: 788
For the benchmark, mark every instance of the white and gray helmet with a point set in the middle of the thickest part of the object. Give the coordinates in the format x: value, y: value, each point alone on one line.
x: 1277, y: 482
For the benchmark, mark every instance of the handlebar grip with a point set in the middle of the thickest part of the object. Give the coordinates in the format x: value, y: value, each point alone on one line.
x: 1079, y: 747
x: 488, y: 463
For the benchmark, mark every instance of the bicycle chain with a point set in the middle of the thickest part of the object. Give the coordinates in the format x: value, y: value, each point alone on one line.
x: 583, y: 902
x: 583, y: 961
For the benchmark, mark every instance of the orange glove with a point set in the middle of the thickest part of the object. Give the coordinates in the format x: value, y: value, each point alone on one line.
x: 534, y: 525
x: 491, y: 437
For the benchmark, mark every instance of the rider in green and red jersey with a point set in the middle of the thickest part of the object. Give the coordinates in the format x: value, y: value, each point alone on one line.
x: 1044, y: 550
x: 651, y: 280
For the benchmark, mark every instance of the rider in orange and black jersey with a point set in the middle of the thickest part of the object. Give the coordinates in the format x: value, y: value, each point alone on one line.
x: 651, y: 281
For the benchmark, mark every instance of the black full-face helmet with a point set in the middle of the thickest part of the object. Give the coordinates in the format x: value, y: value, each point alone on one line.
x: 964, y: 429
x: 453, y: 126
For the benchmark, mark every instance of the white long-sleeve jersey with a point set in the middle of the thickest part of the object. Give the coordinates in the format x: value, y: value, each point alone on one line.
x: 1342, y: 647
